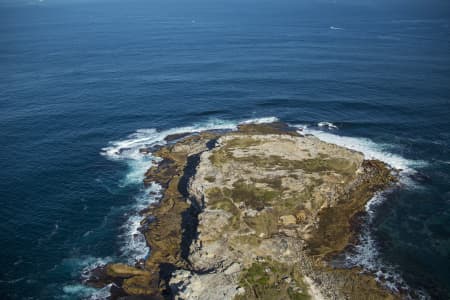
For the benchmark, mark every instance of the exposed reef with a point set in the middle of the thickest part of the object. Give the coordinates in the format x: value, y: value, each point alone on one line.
x: 255, y: 213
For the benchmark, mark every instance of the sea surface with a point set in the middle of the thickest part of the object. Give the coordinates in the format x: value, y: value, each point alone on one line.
x: 84, y: 85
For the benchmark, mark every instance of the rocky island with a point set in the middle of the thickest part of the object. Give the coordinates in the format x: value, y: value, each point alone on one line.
x: 256, y: 213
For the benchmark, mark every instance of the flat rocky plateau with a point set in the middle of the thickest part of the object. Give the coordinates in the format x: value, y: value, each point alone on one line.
x: 256, y: 213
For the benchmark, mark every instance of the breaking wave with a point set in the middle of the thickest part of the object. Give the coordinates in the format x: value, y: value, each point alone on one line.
x: 366, y: 253
x: 77, y: 291
x: 133, y: 245
x: 370, y: 149
x: 327, y: 124
x: 129, y: 151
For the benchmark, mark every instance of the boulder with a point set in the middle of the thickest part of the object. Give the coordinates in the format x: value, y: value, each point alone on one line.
x: 288, y: 220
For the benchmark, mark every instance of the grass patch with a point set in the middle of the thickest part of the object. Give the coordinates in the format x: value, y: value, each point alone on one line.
x: 219, y: 156
x: 224, y: 153
x: 268, y: 128
x: 210, y: 178
x: 313, y: 165
x: 252, y: 196
x: 335, y: 231
x: 266, y: 222
x: 272, y: 182
x: 217, y: 200
x: 273, y: 280
x: 242, y: 142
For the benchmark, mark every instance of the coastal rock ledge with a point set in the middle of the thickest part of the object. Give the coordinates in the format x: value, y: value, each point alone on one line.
x: 255, y: 213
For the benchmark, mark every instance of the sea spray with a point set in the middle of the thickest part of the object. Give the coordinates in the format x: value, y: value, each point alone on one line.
x: 133, y: 245
x: 370, y: 149
x: 366, y: 253
x: 128, y: 151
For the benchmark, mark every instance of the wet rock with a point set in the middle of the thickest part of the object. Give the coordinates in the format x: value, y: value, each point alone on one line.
x: 177, y: 136
x: 124, y: 271
x: 253, y: 213
x: 116, y: 292
x: 141, y: 285
x: 144, y: 150
x: 98, y: 277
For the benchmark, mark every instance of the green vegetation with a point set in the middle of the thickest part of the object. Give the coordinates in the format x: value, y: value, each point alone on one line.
x: 242, y: 142
x: 273, y: 280
x: 219, y: 156
x: 322, y: 163
x: 272, y: 182
x: 335, y: 230
x: 223, y: 154
x: 210, y: 178
x: 265, y: 222
x: 252, y: 196
x: 268, y: 128
x: 217, y: 200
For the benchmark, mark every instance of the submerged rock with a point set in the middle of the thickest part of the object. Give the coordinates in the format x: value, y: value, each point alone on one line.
x: 254, y: 214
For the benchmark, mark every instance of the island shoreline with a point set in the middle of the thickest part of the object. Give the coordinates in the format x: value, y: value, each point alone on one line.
x: 174, y: 173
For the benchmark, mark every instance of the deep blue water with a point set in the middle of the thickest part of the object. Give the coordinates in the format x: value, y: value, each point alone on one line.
x: 75, y: 77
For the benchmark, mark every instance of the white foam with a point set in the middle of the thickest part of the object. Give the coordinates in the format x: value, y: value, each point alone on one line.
x: 89, y: 263
x: 83, y: 265
x: 366, y: 254
x: 128, y: 149
x: 101, y: 294
x: 327, y: 124
x: 79, y: 290
x: 134, y: 246
x: 336, y: 28
x: 260, y: 120
x: 370, y: 149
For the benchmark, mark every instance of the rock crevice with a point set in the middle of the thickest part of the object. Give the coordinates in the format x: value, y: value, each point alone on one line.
x: 255, y: 213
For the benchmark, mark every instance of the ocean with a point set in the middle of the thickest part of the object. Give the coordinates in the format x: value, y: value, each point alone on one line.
x: 84, y: 84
